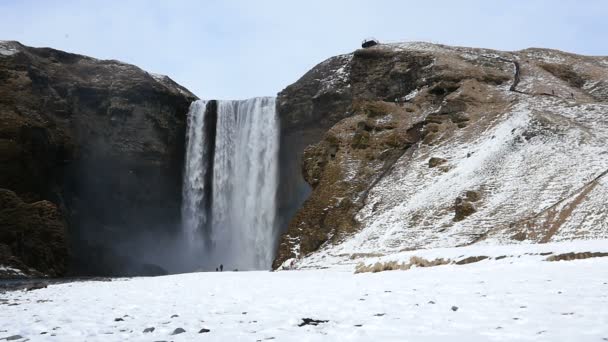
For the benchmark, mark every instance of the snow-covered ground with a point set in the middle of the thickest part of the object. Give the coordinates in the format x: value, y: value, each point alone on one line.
x: 521, y: 297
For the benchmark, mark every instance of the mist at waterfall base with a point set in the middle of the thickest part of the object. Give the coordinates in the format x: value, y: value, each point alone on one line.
x: 230, y: 184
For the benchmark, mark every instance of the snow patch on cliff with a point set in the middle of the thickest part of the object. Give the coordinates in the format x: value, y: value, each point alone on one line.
x: 338, y: 77
x: 7, y: 48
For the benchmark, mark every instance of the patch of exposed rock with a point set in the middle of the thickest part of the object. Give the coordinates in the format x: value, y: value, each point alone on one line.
x: 33, y: 236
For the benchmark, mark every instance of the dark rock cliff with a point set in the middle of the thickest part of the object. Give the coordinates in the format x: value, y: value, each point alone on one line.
x: 307, y: 109
x: 91, y: 153
x: 97, y: 147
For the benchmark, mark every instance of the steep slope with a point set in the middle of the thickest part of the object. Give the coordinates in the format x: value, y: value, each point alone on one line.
x: 102, y: 142
x: 446, y: 146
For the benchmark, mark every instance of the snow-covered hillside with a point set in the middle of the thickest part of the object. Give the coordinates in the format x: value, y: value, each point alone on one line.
x: 514, y: 295
x: 512, y: 150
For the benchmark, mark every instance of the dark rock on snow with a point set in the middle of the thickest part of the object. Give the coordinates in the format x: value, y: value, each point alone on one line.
x: 463, y: 208
x: 435, y: 161
x: 310, y: 321
x: 178, y: 331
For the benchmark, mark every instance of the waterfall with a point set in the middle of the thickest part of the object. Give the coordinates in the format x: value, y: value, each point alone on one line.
x: 230, y: 188
x: 193, y: 218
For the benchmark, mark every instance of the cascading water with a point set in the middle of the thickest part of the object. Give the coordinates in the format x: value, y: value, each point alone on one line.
x: 193, y: 218
x: 229, y: 189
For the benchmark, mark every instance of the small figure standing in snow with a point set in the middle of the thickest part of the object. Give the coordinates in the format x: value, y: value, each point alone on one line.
x: 216, y: 269
x: 221, y: 268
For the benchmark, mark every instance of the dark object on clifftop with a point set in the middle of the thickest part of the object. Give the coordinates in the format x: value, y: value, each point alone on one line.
x: 369, y: 42
x: 310, y: 321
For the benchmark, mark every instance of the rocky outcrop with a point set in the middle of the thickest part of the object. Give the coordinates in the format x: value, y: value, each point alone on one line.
x: 101, y: 142
x: 441, y: 146
x: 33, y: 236
x: 307, y: 109
x: 379, y: 121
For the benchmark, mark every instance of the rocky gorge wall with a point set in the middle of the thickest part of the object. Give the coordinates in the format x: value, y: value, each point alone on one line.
x: 391, y: 148
x: 91, y: 156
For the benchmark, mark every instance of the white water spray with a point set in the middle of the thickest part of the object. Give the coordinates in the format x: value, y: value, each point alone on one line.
x: 240, y: 226
x: 193, y: 191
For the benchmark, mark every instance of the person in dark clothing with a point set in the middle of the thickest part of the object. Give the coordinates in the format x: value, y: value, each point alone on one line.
x: 221, y: 268
x: 216, y: 269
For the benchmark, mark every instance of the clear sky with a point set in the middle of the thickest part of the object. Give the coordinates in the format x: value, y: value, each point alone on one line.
x: 232, y: 49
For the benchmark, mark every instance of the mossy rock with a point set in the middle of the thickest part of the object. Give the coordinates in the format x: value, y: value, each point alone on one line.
x: 373, y: 108
x: 473, y: 196
x: 435, y: 161
x: 361, y: 140
x: 463, y: 209
x: 35, y: 234
x: 430, y: 138
x: 432, y: 127
x: 459, y: 117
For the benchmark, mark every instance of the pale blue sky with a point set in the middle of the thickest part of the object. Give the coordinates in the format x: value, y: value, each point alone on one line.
x: 235, y: 49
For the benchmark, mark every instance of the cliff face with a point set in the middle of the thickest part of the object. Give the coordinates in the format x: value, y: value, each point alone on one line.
x: 421, y: 145
x: 390, y: 148
x: 99, y: 145
x: 307, y: 109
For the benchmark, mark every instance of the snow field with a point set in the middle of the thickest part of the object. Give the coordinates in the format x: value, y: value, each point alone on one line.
x: 515, y: 299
